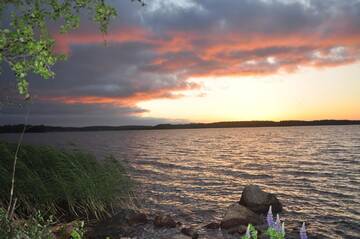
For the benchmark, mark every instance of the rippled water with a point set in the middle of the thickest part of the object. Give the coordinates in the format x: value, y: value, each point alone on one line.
x: 197, y: 173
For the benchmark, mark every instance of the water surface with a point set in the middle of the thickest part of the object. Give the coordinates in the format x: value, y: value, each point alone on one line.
x: 197, y: 173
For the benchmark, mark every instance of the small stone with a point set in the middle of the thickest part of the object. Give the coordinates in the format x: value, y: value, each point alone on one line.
x: 179, y: 236
x: 264, y: 236
x: 237, y: 230
x: 137, y: 218
x: 62, y: 231
x: 261, y: 228
x: 188, y: 231
x: 242, y: 229
x: 164, y: 221
x: 232, y: 231
x: 212, y: 225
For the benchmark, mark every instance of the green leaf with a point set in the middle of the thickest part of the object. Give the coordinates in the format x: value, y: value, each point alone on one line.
x: 75, y: 235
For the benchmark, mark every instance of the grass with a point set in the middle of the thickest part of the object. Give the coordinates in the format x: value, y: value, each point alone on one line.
x: 62, y: 183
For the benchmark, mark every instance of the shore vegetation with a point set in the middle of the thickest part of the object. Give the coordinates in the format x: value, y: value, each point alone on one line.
x: 53, y: 186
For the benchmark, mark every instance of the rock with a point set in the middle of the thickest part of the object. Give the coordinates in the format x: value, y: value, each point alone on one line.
x: 212, y: 225
x: 62, y: 231
x: 264, y: 236
x: 261, y: 228
x: 239, y: 215
x: 259, y: 201
x: 188, y: 231
x: 239, y: 230
x: 113, y: 227
x: 233, y: 231
x: 164, y: 221
x: 179, y: 236
x: 137, y: 218
x: 242, y: 229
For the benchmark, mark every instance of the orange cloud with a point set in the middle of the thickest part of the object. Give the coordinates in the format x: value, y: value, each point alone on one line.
x: 130, y: 101
x: 193, y: 54
x: 228, y: 54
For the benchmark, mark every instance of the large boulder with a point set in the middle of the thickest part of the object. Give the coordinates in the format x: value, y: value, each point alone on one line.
x: 239, y: 215
x: 259, y: 201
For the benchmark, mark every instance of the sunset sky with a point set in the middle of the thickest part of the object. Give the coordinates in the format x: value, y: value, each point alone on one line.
x: 203, y: 61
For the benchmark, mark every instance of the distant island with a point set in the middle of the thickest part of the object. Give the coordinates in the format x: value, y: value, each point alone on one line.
x: 231, y: 124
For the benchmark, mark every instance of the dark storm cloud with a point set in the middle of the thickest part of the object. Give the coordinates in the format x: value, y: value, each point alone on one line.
x: 254, y: 16
x: 111, y: 73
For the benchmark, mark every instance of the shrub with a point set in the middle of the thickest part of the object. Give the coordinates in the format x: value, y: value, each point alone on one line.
x: 37, y: 227
x: 34, y: 228
x: 62, y: 182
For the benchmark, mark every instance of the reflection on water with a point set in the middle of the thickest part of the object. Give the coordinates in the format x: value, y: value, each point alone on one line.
x: 197, y: 173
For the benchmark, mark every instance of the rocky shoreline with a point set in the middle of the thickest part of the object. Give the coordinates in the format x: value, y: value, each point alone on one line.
x: 251, y: 208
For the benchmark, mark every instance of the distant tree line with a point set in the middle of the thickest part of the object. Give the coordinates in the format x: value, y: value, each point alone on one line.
x: 232, y: 124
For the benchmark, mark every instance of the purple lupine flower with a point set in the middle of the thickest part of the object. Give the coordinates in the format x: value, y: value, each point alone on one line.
x: 270, y: 218
x: 277, y: 224
x: 247, y: 234
x: 303, y: 234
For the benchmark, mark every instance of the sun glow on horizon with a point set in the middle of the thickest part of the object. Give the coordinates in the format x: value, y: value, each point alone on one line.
x: 308, y: 94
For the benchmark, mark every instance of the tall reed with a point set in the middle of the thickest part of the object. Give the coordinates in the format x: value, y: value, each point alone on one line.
x: 63, y: 183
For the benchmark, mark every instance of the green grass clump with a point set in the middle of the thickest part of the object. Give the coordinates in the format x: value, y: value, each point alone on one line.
x: 36, y: 226
x: 62, y: 183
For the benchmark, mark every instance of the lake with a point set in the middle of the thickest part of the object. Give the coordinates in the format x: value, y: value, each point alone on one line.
x: 197, y: 173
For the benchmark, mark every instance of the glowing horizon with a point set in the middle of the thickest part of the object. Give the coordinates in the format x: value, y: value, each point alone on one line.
x: 279, y: 97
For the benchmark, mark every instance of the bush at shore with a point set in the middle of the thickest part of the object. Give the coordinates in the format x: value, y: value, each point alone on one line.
x: 62, y: 183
